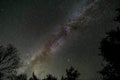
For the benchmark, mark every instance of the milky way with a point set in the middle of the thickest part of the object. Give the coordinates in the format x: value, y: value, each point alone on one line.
x: 56, y: 39
x: 52, y: 35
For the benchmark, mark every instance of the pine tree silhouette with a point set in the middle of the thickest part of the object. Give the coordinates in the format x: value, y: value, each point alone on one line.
x: 71, y: 74
x: 50, y: 77
x: 9, y: 61
x: 21, y: 77
x: 33, y: 77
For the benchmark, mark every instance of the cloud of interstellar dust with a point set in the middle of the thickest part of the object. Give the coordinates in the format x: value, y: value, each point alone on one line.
x: 54, y: 41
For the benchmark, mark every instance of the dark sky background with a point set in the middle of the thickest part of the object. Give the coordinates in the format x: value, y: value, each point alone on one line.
x: 28, y: 23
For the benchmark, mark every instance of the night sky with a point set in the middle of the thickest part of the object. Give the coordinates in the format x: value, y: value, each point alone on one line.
x: 52, y: 35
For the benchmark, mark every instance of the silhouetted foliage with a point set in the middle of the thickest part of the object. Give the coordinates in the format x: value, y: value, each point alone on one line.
x: 110, y: 46
x: 18, y: 77
x: 34, y: 77
x: 71, y: 74
x: 50, y: 77
x: 110, y: 50
x: 109, y: 73
x: 21, y: 77
x: 9, y: 61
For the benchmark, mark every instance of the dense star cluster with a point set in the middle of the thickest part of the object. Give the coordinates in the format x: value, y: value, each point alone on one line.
x: 52, y: 35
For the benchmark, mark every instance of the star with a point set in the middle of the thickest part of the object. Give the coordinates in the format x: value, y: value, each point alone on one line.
x: 68, y: 60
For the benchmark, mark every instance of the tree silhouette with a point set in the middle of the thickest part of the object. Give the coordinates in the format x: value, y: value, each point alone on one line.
x: 18, y: 77
x: 9, y: 61
x: 71, y: 74
x: 110, y: 50
x: 21, y: 77
x: 50, y: 77
x: 33, y: 77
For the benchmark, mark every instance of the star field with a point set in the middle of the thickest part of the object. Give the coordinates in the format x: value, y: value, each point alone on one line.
x: 54, y: 35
